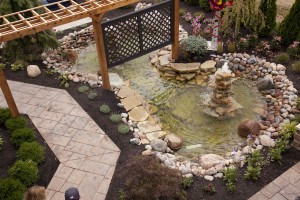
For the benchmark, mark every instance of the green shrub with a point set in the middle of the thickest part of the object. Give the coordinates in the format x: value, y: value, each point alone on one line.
x: 115, y: 118
x: 16, y: 123
x: 31, y: 151
x: 269, y: 9
x: 181, y: 11
x: 256, y: 158
x: 1, y: 142
x: 193, y: 47
x: 24, y: 171
x: 231, y: 47
x: 252, y: 172
x: 11, y: 189
x: 123, y: 128
x: 187, y: 182
x: 296, y: 66
x: 204, y: 4
x: 282, y: 58
x: 276, y: 154
x: 230, y: 175
x: 252, y: 41
x: 288, y: 130
x: 83, y: 89
x: 104, y: 109
x: 294, y: 50
x: 92, y: 95
x: 21, y: 135
x: 18, y: 65
x: 4, y: 115
x: 297, y: 119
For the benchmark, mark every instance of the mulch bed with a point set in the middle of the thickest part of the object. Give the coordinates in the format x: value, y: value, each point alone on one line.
x: 245, y: 188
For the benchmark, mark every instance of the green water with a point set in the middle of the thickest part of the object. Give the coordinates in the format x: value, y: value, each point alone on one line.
x: 180, y: 108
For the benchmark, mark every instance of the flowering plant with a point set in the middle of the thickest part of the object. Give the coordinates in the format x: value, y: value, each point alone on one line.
x: 275, y: 43
x: 187, y: 17
x: 196, y: 25
x: 294, y: 50
x: 242, y: 44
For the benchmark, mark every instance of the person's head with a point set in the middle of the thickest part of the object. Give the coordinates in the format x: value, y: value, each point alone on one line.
x: 72, y: 194
x: 35, y: 193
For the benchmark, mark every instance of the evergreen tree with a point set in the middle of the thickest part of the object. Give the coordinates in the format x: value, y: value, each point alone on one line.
x: 269, y: 9
x: 289, y: 29
x: 28, y: 46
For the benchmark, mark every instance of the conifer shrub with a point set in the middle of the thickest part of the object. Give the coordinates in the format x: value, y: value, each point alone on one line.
x: 11, y: 189
x: 21, y: 135
x: 193, y: 47
x: 31, y: 151
x: 269, y: 9
x: 16, y: 123
x: 24, y: 171
x: 4, y: 115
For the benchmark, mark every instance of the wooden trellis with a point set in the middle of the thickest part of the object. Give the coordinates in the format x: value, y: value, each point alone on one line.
x: 34, y: 20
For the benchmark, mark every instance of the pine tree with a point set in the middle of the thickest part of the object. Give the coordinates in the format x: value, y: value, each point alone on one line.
x: 289, y: 29
x: 26, y: 47
x: 269, y: 9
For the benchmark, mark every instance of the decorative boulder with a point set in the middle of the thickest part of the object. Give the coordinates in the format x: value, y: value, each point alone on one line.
x: 33, y: 71
x: 249, y: 127
x: 265, y: 83
x: 173, y: 141
x: 159, y: 145
x: 208, y: 161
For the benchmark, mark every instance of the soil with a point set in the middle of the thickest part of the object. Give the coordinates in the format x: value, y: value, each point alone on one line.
x: 245, y: 188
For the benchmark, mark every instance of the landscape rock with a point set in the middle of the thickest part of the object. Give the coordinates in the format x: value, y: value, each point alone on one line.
x: 267, y: 141
x: 159, y: 145
x: 249, y: 127
x: 210, y: 160
x: 174, y: 142
x: 33, y: 71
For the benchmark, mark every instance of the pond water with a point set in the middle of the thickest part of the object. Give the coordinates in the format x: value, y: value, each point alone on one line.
x: 180, y: 107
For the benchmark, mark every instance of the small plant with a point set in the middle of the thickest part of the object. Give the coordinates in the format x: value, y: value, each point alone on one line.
x: 16, y: 123
x: 256, y: 158
x: 231, y: 46
x: 83, y: 26
x: 282, y: 58
x: 24, y: 171
x: 83, y: 89
x: 104, y: 109
x: 294, y: 50
x: 276, y: 154
x: 21, y: 135
x: 252, y: 41
x: 275, y: 43
x: 50, y: 70
x: 1, y: 142
x: 181, y: 11
x: 288, y: 130
x: 2, y: 66
x: 230, y: 175
x: 121, y: 194
x: 115, y: 118
x: 209, y: 188
x: 123, y: 128
x: 59, y: 33
x: 64, y: 80
x: 11, y: 189
x: 4, y: 115
x: 31, y: 151
x: 184, y: 195
x: 18, y: 65
x: 193, y: 47
x: 252, y: 172
x: 220, y: 48
x: 187, y: 182
x: 242, y: 44
x: 92, y: 95
x: 187, y: 17
x: 204, y: 5
x: 296, y: 66
x: 297, y: 119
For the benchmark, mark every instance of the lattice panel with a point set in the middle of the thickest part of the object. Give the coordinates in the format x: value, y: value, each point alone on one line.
x: 138, y: 33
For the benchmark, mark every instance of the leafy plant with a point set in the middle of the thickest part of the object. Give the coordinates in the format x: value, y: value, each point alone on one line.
x: 187, y: 182
x: 297, y: 119
x: 231, y: 46
x: 252, y: 172
x: 230, y: 175
x: 276, y: 154
x: 275, y: 43
x: 16, y: 123
x: 24, y: 171
x: 187, y: 17
x: 123, y: 128
x: 121, y: 194
x: 210, y: 188
x: 104, y: 109
x: 282, y: 58
x: 50, y: 70
x: 252, y: 40
x: 18, y: 65
x: 83, y: 88
x: 191, y: 2
x: 193, y: 47
x: 288, y: 130
x: 31, y: 151
x: 21, y: 135
x: 197, y: 14
x: 296, y: 66
x: 204, y: 5
x: 181, y: 11
x: 115, y: 118
x: 2, y: 66
x: 11, y: 189
x: 64, y: 80
x: 256, y: 158
x: 92, y: 95
x: 4, y: 115
x: 1, y: 142
x: 294, y: 50
x: 242, y: 44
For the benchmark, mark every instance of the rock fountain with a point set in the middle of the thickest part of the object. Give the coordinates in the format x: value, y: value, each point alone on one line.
x: 221, y: 104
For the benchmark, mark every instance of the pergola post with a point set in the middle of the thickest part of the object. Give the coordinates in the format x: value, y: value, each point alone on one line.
x: 101, y: 50
x: 8, y: 96
x: 175, y: 44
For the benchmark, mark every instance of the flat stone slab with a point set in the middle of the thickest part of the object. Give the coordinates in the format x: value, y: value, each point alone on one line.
x: 185, y: 67
x: 164, y: 60
x: 131, y: 102
x: 115, y: 80
x: 188, y: 76
x: 156, y: 135
x: 147, y: 127
x: 125, y: 92
x: 138, y: 114
x: 208, y: 66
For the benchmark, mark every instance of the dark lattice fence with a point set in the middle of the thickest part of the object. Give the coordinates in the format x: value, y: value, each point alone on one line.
x: 138, y: 33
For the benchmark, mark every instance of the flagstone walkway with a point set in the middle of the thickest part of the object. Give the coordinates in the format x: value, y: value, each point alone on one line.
x: 87, y: 156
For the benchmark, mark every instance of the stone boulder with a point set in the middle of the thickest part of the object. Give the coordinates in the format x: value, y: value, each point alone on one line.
x: 33, y: 71
x: 266, y: 141
x: 173, y: 141
x: 185, y: 67
x: 159, y: 145
x: 265, y: 83
x: 210, y: 160
x: 249, y: 127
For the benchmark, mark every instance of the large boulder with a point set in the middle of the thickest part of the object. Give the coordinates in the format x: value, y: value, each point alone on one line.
x: 210, y: 160
x: 159, y: 145
x: 173, y: 141
x: 265, y: 83
x: 33, y: 71
x: 249, y: 127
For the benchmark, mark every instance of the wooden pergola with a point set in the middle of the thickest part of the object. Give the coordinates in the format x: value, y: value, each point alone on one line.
x: 41, y: 18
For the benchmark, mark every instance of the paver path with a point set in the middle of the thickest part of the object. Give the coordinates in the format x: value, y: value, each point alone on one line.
x: 87, y: 156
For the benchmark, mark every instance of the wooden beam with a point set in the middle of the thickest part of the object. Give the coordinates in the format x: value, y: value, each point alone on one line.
x: 8, y: 96
x: 175, y: 44
x: 101, y: 50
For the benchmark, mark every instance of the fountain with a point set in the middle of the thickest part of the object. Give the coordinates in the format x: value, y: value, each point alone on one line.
x: 221, y: 103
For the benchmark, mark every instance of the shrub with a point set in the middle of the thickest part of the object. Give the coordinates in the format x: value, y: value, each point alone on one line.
x: 181, y: 12
x: 288, y: 130
x: 282, y: 58
x: 21, y: 135
x: 151, y: 180
x: 24, y: 171
x: 294, y: 50
x: 31, y: 151
x: 275, y: 43
x: 276, y: 154
x: 104, y: 109
x: 269, y: 9
x: 231, y: 47
x: 18, y: 65
x: 193, y: 47
x: 256, y: 158
x: 4, y: 115
x: 297, y: 119
x: 16, y: 123
x: 210, y: 188
x: 1, y: 142
x: 115, y: 118
x: 123, y: 128
x: 64, y: 80
x: 296, y: 66
x: 92, y: 95
x: 83, y: 89
x: 242, y: 44
x: 204, y: 5
x: 187, y: 182
x: 252, y: 41
x: 11, y: 189
x: 252, y: 172
x: 230, y: 175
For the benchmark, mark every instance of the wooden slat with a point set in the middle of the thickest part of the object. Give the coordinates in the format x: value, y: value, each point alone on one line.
x: 9, y: 24
x: 24, y: 20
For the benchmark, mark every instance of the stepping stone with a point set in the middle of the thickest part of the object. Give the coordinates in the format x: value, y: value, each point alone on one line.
x: 125, y: 92
x: 148, y: 127
x: 156, y: 135
x: 138, y: 114
x: 131, y: 102
x: 185, y: 67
